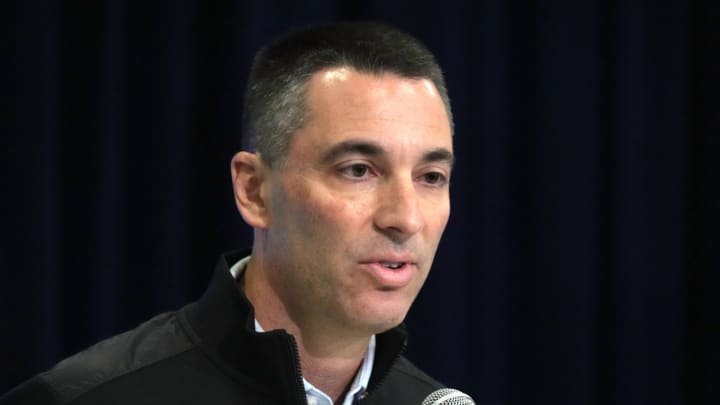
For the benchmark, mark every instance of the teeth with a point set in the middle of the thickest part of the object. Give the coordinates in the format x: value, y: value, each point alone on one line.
x: 392, y: 265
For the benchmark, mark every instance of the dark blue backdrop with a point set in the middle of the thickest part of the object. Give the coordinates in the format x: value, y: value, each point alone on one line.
x: 580, y: 265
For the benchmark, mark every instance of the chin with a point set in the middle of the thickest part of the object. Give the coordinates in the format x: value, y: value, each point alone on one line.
x: 377, y: 314
x: 383, y: 323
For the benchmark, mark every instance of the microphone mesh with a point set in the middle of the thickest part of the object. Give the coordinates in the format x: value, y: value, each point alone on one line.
x: 448, y: 396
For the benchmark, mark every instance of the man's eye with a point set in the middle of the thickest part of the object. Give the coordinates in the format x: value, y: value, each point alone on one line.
x: 357, y: 170
x: 434, y: 178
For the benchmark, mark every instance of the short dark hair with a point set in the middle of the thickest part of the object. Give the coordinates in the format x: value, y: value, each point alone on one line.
x: 275, y: 98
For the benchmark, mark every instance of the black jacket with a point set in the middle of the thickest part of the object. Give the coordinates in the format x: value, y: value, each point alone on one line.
x: 208, y: 353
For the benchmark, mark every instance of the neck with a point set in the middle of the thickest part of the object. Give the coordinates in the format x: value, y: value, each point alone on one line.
x: 329, y: 358
x: 332, y: 375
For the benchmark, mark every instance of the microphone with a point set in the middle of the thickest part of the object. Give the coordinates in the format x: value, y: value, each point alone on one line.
x: 448, y: 396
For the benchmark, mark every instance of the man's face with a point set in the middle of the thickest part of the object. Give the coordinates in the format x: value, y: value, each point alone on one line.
x: 357, y: 211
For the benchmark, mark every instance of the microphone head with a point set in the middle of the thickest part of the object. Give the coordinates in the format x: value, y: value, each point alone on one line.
x: 448, y: 396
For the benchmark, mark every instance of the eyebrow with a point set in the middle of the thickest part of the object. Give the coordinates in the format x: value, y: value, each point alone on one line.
x: 371, y: 149
x: 439, y: 155
x: 350, y: 147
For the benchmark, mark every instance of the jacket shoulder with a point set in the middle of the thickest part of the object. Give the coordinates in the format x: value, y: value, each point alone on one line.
x: 405, y: 383
x: 33, y: 391
x: 159, y: 338
x: 409, y: 371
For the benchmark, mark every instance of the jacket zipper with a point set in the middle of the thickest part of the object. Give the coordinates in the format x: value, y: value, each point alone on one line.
x: 368, y: 393
x: 298, y: 371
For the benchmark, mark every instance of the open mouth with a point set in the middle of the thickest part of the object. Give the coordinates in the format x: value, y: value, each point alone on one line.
x: 391, y: 274
x: 393, y: 265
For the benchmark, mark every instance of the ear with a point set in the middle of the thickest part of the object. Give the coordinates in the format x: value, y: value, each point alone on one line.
x: 248, y: 176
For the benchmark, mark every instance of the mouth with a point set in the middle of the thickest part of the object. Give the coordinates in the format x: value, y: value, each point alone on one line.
x: 390, y: 274
x: 393, y: 265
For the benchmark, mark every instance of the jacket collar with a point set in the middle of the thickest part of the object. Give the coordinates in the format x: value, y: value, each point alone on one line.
x: 223, y: 320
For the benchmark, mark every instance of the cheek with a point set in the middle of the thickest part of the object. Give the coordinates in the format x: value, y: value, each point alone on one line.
x: 437, y: 214
x: 443, y: 216
x: 320, y: 207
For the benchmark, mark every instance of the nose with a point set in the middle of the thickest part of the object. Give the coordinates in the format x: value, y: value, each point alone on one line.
x: 399, y: 214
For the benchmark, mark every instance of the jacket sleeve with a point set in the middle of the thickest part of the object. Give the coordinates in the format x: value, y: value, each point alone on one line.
x: 32, y: 392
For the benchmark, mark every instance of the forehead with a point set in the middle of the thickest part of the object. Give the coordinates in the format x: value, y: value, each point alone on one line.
x: 343, y: 102
x: 347, y: 84
x: 336, y: 76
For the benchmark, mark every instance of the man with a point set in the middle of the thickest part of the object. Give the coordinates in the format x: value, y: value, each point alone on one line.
x: 345, y: 182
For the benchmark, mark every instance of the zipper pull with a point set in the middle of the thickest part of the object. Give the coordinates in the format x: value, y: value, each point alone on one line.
x: 360, y: 396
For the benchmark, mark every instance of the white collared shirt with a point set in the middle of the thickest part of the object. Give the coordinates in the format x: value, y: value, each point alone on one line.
x: 314, y: 395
